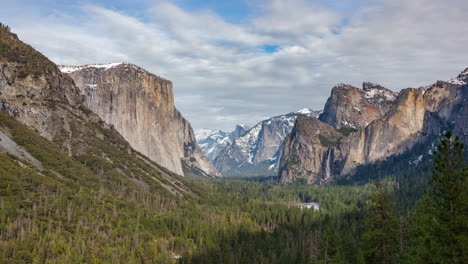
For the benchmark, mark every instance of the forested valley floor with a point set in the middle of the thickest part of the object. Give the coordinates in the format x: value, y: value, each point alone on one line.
x: 67, y: 214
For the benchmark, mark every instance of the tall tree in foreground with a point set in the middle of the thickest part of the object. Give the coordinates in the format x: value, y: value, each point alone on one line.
x: 382, y: 236
x: 440, y: 225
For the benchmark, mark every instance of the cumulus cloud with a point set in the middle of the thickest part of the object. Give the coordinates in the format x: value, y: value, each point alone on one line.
x: 222, y: 75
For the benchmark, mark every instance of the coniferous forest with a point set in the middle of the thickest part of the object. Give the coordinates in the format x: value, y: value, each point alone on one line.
x: 75, y: 189
x: 73, y: 211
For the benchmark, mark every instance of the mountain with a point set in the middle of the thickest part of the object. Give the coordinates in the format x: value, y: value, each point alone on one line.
x: 46, y: 126
x: 257, y: 151
x: 140, y: 105
x: 213, y: 141
x: 384, y: 124
x: 349, y: 106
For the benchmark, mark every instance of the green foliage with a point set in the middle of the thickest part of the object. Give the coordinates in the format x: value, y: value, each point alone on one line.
x: 382, y: 236
x: 108, y: 205
x: 329, y: 140
x: 347, y: 130
x: 30, y: 61
x: 410, y: 174
x: 440, y: 224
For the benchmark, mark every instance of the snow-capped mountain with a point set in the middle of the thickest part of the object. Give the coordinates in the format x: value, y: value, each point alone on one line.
x: 257, y: 151
x: 213, y: 141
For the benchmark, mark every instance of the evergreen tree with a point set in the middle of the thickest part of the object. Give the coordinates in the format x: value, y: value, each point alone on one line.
x: 440, y: 226
x: 381, y: 240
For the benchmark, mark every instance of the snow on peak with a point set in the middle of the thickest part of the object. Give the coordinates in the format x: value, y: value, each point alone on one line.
x: 205, y: 133
x: 461, y: 79
x: 457, y: 81
x: 212, y: 141
x: 248, y: 143
x: 380, y: 93
x: 69, y: 69
x: 308, y: 112
x: 304, y: 111
x: 245, y: 127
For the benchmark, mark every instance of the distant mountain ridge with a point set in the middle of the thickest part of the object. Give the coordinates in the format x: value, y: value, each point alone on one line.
x: 258, y: 150
x: 213, y: 141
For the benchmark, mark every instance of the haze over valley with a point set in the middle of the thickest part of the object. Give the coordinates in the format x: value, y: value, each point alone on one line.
x: 233, y: 131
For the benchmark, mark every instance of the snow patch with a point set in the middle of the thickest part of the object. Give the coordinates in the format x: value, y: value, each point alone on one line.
x: 457, y: 81
x: 382, y: 94
x: 70, y: 69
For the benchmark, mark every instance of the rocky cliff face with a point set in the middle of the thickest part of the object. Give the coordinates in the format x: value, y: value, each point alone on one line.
x: 349, y: 106
x: 415, y: 115
x: 386, y: 127
x: 257, y: 152
x: 310, y: 152
x: 140, y: 105
x: 35, y: 92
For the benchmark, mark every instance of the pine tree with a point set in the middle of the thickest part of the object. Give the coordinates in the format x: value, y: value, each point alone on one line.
x: 440, y: 227
x: 381, y: 240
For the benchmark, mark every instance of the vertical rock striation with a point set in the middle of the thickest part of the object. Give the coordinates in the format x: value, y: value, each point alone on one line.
x: 374, y: 124
x: 140, y: 105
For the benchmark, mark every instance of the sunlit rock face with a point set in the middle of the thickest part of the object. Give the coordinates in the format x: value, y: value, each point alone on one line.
x: 349, y: 106
x: 373, y: 124
x: 140, y: 105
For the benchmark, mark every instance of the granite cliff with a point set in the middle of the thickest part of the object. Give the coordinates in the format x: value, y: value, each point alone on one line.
x: 362, y: 126
x: 349, y: 106
x: 140, y: 106
x: 44, y: 120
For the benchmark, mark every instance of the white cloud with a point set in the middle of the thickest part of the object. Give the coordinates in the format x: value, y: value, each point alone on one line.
x: 222, y: 76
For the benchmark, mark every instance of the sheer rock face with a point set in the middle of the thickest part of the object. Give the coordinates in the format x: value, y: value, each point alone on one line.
x: 310, y: 152
x: 349, y: 106
x: 392, y: 134
x: 140, y: 105
x: 416, y: 114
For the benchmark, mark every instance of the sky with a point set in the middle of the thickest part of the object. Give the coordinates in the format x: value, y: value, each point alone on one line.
x: 242, y: 61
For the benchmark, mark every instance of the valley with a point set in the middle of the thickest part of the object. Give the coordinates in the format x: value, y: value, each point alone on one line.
x: 97, y: 165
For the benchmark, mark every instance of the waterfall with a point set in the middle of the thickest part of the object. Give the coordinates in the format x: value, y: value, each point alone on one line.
x: 328, y: 165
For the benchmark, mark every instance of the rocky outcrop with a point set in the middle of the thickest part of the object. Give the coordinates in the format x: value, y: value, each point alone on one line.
x: 392, y: 134
x: 35, y: 92
x: 140, y: 105
x: 36, y: 95
x: 257, y: 152
x: 238, y: 131
x: 395, y: 125
x: 349, y: 106
x: 311, y: 150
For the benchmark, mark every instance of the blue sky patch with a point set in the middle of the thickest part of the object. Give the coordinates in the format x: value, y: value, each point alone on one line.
x: 270, y: 48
